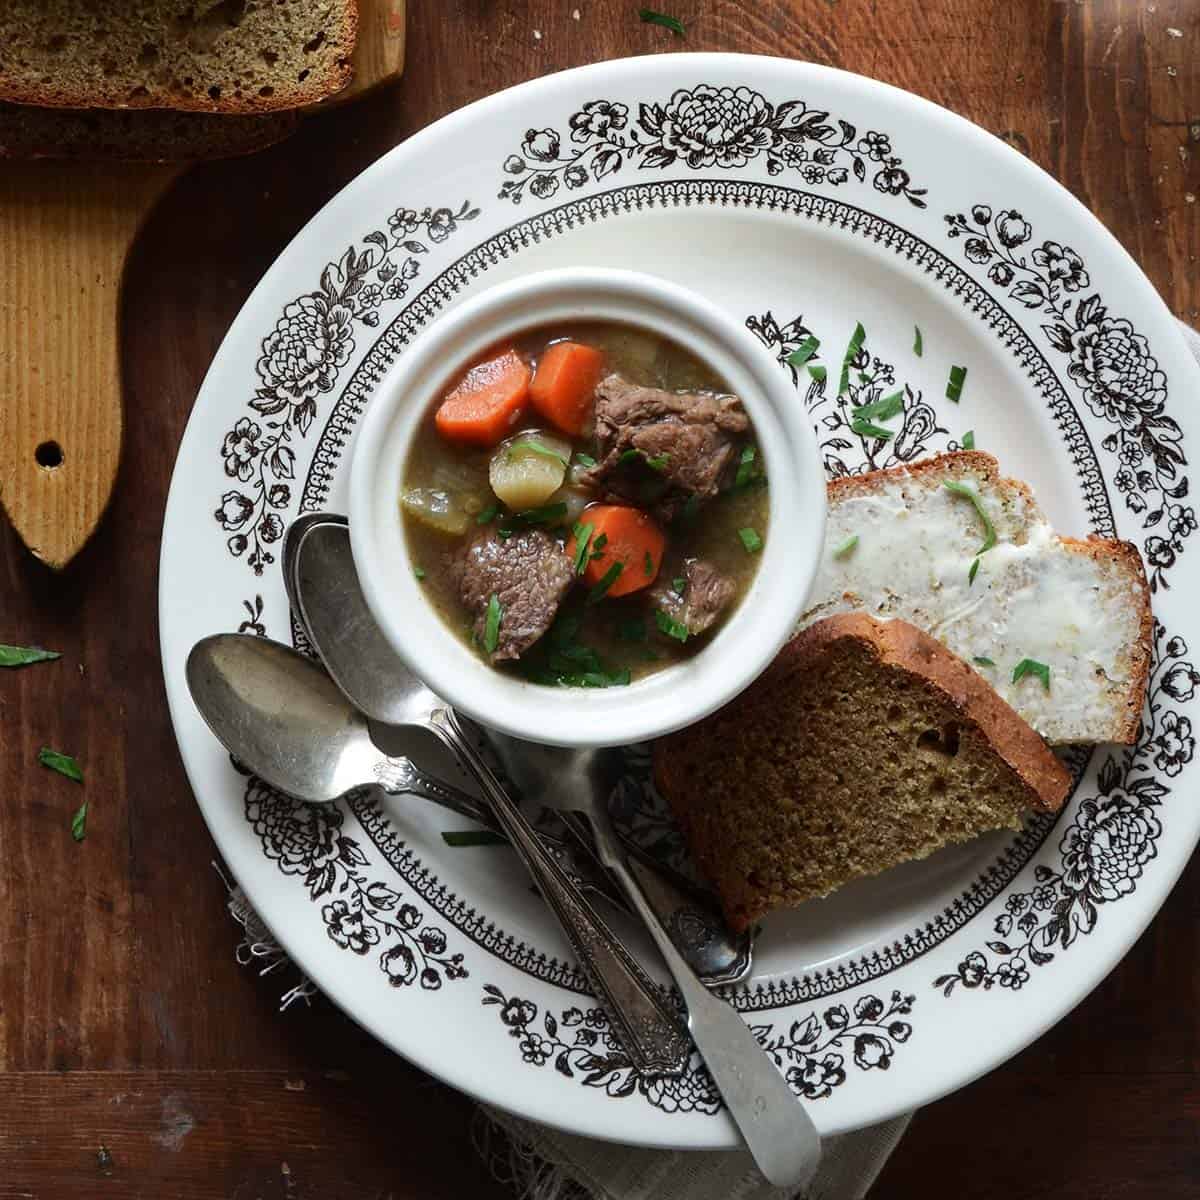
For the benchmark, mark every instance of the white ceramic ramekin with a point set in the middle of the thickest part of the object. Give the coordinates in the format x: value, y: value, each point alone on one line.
x: 677, y: 695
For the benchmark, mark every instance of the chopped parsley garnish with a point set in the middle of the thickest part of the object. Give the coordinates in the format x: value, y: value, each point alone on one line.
x: 419, y: 572
x: 650, y: 17
x: 546, y: 514
x: 852, y: 348
x: 818, y: 373
x: 609, y: 577
x: 749, y: 473
x: 491, y: 624
x: 558, y: 660
x: 632, y: 631
x: 536, y: 448
x: 583, y: 538
x: 918, y: 342
x: 868, y: 429
x: 845, y: 548
x: 961, y: 489
x: 79, y: 822
x: 803, y: 352
x: 488, y: 515
x: 972, y: 571
x: 584, y: 460
x: 658, y: 462
x: 64, y: 764
x: 648, y: 564
x: 750, y: 540
x: 678, y: 585
x: 958, y: 376
x: 880, y: 410
x: 472, y: 837
x: 1030, y: 666
x: 980, y: 661
x: 668, y: 625
x: 968, y: 440
x: 22, y: 656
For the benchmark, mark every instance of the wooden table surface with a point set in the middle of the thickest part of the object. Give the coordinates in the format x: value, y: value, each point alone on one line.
x: 125, y: 1022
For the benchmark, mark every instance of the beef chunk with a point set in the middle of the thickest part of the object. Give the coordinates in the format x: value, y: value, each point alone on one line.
x: 706, y: 595
x: 529, y: 573
x: 691, y: 437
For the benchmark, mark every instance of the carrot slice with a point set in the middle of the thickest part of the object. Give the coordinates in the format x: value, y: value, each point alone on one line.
x: 564, y: 385
x: 488, y: 401
x: 624, y: 535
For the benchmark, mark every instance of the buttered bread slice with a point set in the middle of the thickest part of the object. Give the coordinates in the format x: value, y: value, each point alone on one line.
x: 1069, y: 618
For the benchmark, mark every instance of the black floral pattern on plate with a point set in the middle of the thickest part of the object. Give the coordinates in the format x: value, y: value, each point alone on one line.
x: 361, y: 915
x: 813, y: 1054
x: 702, y: 128
x: 299, y: 362
x: 1110, y: 364
x: 1106, y: 847
x: 843, y: 451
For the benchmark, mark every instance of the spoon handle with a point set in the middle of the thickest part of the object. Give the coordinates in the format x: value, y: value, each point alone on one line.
x: 646, y: 1027
x: 778, y: 1130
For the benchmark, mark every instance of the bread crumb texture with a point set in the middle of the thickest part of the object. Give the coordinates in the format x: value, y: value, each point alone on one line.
x: 221, y: 56
x: 865, y: 745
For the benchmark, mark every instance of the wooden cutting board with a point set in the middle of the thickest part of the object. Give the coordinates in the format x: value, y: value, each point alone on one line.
x: 66, y: 229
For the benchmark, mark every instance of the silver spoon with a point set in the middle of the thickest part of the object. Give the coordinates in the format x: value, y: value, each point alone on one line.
x: 281, y: 716
x: 777, y: 1129
x: 324, y: 590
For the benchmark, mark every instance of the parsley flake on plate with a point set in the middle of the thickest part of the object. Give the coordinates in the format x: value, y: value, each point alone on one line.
x: 803, y: 352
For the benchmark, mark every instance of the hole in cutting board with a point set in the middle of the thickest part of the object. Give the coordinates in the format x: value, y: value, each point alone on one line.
x: 49, y: 455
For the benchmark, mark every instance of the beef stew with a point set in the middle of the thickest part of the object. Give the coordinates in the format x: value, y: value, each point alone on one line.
x: 586, y: 504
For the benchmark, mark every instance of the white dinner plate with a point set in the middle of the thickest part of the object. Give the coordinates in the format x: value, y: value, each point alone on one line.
x: 804, y: 200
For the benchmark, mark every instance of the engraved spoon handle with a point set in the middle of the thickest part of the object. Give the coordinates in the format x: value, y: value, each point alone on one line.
x: 778, y: 1130
x: 402, y: 776
x: 646, y: 1028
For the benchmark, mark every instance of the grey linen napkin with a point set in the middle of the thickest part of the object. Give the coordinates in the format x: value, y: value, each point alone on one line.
x: 545, y: 1164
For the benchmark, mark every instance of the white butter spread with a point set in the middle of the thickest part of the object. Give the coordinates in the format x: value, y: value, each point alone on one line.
x: 1033, y: 596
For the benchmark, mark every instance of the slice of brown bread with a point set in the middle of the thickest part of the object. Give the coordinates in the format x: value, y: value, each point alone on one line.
x: 157, y: 135
x: 865, y: 744
x: 231, y: 56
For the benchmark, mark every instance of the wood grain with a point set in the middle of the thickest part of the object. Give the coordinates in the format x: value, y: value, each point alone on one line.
x: 116, y: 970
x: 65, y: 232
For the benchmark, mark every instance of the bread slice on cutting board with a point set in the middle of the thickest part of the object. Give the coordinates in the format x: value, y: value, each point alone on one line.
x: 141, y: 135
x: 221, y: 56
x: 865, y: 744
x: 1080, y: 608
